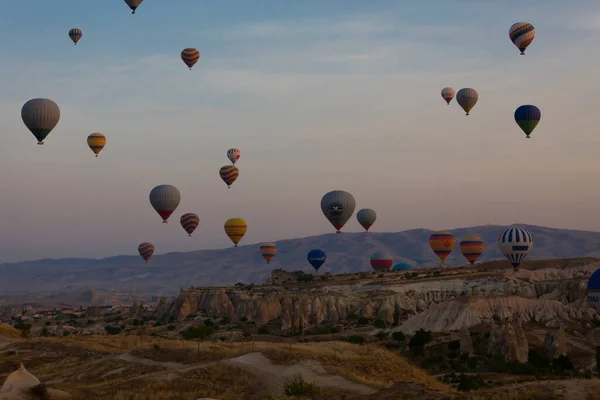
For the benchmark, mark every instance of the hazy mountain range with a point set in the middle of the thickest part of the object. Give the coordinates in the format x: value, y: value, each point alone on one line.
x: 347, y: 252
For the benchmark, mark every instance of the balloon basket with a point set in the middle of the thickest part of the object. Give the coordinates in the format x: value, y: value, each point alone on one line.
x: 164, y: 222
x: 40, y: 143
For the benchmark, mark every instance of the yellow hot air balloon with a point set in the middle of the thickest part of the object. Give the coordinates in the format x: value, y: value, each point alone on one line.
x: 268, y: 251
x: 96, y: 141
x: 442, y: 243
x: 235, y: 228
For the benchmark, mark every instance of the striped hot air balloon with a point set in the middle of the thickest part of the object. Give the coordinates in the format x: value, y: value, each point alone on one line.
x: 515, y: 244
x: 189, y: 222
x: 190, y: 56
x: 233, y: 155
x: 381, y: 261
x: 96, y: 142
x: 527, y: 117
x: 471, y: 248
x: 268, y: 251
x: 146, y: 250
x: 235, y: 228
x: 467, y: 98
x: 165, y: 199
x: 75, y: 34
x: 442, y: 243
x: 521, y: 34
x: 40, y: 116
x: 229, y: 173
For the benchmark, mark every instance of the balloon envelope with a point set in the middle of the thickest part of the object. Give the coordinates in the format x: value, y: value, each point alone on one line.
x: 133, y: 4
x: 471, y: 248
x: 165, y: 199
x: 229, y: 174
x: 316, y: 258
x: 189, y: 222
x: 442, y: 243
x: 190, y: 56
x: 338, y: 206
x: 381, y: 261
x: 467, y: 98
x: 515, y: 244
x: 268, y: 251
x: 521, y: 34
x: 593, y: 289
x: 448, y: 94
x: 235, y: 228
x: 402, y: 266
x: 146, y: 250
x: 96, y: 142
x: 75, y: 34
x: 366, y: 218
x: 527, y: 117
x: 233, y: 155
x: 40, y: 116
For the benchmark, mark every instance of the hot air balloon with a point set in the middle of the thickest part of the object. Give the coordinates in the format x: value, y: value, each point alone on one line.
x: 233, y: 155
x: 96, y: 142
x: 268, y: 251
x: 338, y: 206
x: 471, y: 248
x: 521, y: 34
x: 229, y: 174
x: 593, y: 289
x: 40, y: 116
x: 402, y: 266
x: 190, y: 57
x: 189, y: 222
x: 528, y: 116
x: 381, y: 261
x: 316, y: 258
x: 442, y: 243
x: 146, y: 250
x: 235, y: 228
x: 366, y: 218
x: 448, y: 94
x: 133, y: 4
x: 515, y: 244
x: 467, y: 98
x: 165, y: 199
x: 75, y: 34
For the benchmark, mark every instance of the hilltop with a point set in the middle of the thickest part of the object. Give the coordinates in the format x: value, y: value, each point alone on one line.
x: 347, y: 253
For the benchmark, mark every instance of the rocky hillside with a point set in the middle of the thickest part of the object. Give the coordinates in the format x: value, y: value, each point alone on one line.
x: 348, y: 252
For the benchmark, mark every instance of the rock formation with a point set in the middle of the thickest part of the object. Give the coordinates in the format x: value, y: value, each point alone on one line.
x: 509, y: 342
x: 555, y: 344
x: 466, y: 342
x: 22, y: 385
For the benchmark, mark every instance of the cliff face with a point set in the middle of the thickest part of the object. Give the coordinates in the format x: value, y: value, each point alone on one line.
x: 437, y: 305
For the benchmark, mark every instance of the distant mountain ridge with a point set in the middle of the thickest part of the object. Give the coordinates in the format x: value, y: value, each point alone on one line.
x: 346, y: 252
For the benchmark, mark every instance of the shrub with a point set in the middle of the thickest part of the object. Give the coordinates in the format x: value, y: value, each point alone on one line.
x: 470, y: 382
x: 421, y: 338
x: 398, y: 336
x: 264, y: 330
x: 356, y: 339
x: 297, y: 386
x: 379, y: 323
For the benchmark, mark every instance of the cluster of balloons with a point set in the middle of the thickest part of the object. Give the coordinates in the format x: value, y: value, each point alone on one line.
x: 526, y: 116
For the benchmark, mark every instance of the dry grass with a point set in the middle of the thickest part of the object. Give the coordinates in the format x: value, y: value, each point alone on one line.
x: 9, y: 332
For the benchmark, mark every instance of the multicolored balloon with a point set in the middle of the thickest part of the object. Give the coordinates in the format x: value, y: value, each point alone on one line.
x: 521, y: 34
x: 316, y: 258
x: 527, y: 117
x: 366, y: 218
x: 402, y: 266
x: 593, y: 290
x: 40, y: 116
x: 515, y: 244
x: 96, y: 142
x: 471, y: 248
x: 189, y: 222
x: 190, y: 57
x: 338, y: 206
x: 75, y: 34
x: 268, y: 251
x: 229, y: 173
x: 467, y: 98
x: 448, y: 94
x: 165, y: 199
x: 381, y: 261
x: 133, y: 4
x: 146, y: 250
x: 233, y: 155
x: 442, y: 243
x: 235, y: 228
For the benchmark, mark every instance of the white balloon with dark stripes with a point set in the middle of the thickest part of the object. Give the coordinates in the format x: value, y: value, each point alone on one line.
x: 515, y: 244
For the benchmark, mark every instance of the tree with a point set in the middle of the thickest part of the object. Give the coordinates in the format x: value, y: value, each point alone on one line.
x: 398, y: 336
x: 198, y: 333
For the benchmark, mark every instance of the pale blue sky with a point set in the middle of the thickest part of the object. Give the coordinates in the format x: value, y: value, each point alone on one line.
x: 317, y: 95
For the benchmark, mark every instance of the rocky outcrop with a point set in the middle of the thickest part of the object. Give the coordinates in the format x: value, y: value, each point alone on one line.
x: 22, y: 385
x: 555, y: 344
x: 94, y: 312
x: 466, y: 342
x: 509, y: 342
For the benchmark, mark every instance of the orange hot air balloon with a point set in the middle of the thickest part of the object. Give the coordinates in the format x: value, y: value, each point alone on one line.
x: 268, y: 251
x: 471, y: 248
x: 190, y: 57
x: 442, y: 243
x: 235, y: 228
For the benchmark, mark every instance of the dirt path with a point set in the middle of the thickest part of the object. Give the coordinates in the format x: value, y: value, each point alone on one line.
x: 274, y: 375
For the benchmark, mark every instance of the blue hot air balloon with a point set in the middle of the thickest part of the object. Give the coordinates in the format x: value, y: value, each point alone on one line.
x: 316, y: 258
x: 527, y: 117
x: 402, y: 266
x: 593, y: 289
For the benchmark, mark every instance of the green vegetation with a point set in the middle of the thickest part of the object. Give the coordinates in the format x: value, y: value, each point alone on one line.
x: 297, y: 386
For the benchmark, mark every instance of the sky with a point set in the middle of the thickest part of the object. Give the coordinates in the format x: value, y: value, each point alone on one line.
x: 342, y: 94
